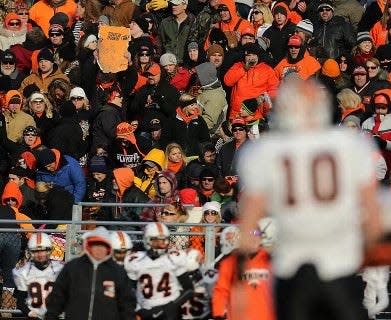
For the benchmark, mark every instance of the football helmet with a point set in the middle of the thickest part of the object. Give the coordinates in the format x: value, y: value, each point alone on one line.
x: 156, y: 239
x: 302, y: 105
x: 268, y: 230
x: 121, y: 244
x: 40, y: 247
x: 229, y: 239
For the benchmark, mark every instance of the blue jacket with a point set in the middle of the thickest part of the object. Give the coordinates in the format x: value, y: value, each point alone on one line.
x: 69, y: 176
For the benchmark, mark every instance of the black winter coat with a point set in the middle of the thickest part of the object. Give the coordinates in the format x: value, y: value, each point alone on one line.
x: 333, y: 38
x: 131, y: 195
x: 188, y: 135
x: 279, y: 40
x: 104, y: 127
x: 67, y: 137
x: 228, y: 157
x: 165, y: 101
x: 78, y: 282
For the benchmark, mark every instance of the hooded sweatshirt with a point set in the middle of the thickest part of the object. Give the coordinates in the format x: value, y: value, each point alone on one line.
x: 230, y: 25
x: 145, y: 182
x: 101, y: 235
x: 10, y: 37
x: 212, y: 99
x: 11, y: 190
x: 149, y: 214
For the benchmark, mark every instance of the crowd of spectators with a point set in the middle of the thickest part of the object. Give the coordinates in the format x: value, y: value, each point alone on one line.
x: 199, y: 85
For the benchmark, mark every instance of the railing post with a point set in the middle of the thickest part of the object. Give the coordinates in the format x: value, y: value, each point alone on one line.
x: 209, y: 246
x: 72, y: 231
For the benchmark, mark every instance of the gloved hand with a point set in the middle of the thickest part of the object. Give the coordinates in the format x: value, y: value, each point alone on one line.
x: 155, y: 5
x: 247, y: 65
x: 381, y: 143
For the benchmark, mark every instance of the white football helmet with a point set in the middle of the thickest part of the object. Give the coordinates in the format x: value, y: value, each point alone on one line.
x: 39, y: 241
x: 229, y: 239
x: 302, y: 105
x: 268, y: 229
x: 120, y: 241
x: 121, y: 244
x: 156, y: 231
x: 40, y: 246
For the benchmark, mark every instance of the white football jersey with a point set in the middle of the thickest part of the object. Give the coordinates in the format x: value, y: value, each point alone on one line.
x: 38, y: 284
x: 311, y: 183
x: 157, y: 282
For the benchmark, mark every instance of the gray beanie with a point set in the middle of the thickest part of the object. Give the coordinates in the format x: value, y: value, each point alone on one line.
x: 192, y: 46
x: 207, y: 73
x: 168, y: 58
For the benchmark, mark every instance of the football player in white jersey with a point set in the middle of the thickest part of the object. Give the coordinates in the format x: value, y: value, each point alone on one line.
x: 198, y: 306
x: 319, y: 184
x: 159, y: 275
x: 121, y: 245
x: 35, y: 279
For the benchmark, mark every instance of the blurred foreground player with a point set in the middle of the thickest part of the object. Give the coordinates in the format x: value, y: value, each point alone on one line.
x: 319, y: 184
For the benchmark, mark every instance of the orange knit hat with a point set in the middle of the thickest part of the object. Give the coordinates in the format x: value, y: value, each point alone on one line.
x: 331, y: 68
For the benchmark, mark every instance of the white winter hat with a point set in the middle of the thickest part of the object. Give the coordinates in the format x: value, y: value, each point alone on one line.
x: 77, y: 92
x: 90, y: 39
x: 212, y: 205
x: 37, y: 96
x: 168, y: 58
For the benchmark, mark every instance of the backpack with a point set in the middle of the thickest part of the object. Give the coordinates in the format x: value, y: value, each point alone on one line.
x: 232, y: 35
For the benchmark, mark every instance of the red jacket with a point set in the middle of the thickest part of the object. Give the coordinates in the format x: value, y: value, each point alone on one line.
x: 181, y: 79
x: 249, y: 84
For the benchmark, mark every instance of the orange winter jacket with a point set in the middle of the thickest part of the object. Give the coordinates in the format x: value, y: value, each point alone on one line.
x: 41, y: 12
x: 248, y: 299
x: 249, y: 84
x: 306, y: 67
x: 230, y: 26
x: 379, y: 34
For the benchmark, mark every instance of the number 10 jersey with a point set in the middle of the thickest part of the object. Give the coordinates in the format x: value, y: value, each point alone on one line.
x: 311, y: 183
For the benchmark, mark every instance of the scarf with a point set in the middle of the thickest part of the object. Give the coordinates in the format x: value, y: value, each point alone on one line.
x: 175, y: 167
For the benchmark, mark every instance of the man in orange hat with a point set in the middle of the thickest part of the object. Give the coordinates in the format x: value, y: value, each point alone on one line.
x: 297, y: 60
x: 157, y: 99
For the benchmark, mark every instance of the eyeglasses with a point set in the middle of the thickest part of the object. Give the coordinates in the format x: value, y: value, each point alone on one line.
x: 167, y: 213
x: 14, y: 24
x: 37, y: 101
x: 257, y: 12
x: 343, y: 61
x: 294, y: 47
x: 324, y: 9
x: 23, y: 13
x: 145, y: 54
x: 381, y: 106
x: 211, y: 213
x: 372, y: 67
x: 208, y: 179
x: 237, y: 129
x: 54, y: 34
x: 8, y: 62
x: 77, y: 98
x: 29, y: 135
